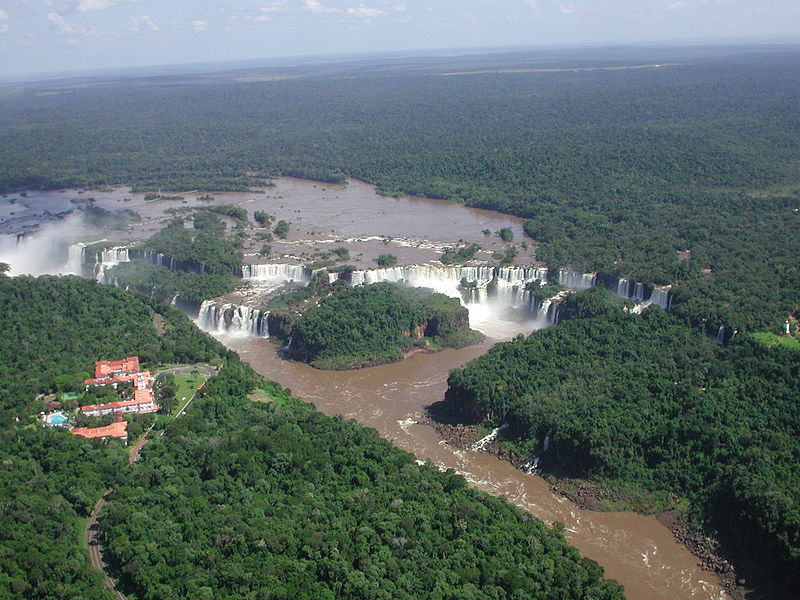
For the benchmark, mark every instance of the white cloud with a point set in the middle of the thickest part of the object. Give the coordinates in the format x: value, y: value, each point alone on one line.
x: 268, y: 10
x: 142, y: 23
x: 3, y: 14
x: 400, y: 7
x: 364, y: 12
x: 199, y: 25
x: 532, y: 4
x: 96, y: 5
x: 68, y: 27
x: 359, y: 12
x: 316, y: 7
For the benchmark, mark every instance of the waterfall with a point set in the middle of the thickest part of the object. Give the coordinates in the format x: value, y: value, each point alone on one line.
x: 573, y: 280
x: 481, y: 444
x: 720, y: 336
x: 507, y: 284
x: 532, y: 465
x: 107, y: 258
x: 227, y: 318
x: 272, y: 272
x: 662, y: 296
x: 641, y: 294
x: 547, y: 310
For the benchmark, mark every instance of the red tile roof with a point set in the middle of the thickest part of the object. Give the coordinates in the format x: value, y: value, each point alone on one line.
x: 102, y: 368
x: 117, y: 430
x: 120, y: 403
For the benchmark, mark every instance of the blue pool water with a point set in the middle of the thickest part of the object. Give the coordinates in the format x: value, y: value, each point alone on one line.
x: 56, y: 419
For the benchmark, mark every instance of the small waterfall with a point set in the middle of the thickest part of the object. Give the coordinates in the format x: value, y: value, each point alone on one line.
x: 641, y: 294
x: 532, y: 465
x: 662, y: 296
x: 481, y: 444
x: 720, y: 336
x: 174, y: 301
x: 276, y: 272
x: 573, y: 280
x: 547, y: 310
x: 107, y: 258
x: 232, y: 319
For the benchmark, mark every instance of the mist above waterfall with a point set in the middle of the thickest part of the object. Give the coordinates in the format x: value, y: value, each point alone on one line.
x: 50, y: 250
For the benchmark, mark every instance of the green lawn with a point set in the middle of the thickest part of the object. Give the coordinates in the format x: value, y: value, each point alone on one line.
x: 187, y: 386
x: 771, y: 339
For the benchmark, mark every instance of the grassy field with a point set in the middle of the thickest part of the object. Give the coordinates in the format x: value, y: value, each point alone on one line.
x: 770, y: 339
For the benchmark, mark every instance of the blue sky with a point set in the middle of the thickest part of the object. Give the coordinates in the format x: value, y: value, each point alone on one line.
x: 65, y: 35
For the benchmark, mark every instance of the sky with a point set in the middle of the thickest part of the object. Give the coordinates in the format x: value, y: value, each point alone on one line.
x: 50, y: 36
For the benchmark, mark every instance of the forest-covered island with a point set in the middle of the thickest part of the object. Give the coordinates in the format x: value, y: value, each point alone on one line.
x: 350, y: 328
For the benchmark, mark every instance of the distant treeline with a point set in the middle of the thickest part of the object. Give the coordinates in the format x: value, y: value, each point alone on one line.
x: 616, y: 171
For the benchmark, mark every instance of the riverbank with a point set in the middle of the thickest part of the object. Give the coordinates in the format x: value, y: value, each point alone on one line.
x: 598, y: 497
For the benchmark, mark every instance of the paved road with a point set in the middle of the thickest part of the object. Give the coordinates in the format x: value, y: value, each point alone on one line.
x: 92, y: 536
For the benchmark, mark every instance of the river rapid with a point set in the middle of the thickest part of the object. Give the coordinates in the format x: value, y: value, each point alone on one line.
x: 635, y: 550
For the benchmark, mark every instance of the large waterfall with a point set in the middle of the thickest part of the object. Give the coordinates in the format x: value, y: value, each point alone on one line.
x: 220, y: 318
x: 487, y: 291
x: 573, y: 280
x: 276, y: 272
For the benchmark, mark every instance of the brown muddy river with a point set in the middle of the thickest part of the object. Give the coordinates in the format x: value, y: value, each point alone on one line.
x: 635, y: 550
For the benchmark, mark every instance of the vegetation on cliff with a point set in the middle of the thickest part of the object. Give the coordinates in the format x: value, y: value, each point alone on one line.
x: 642, y: 401
x: 242, y: 500
x: 197, y: 263
x: 374, y: 324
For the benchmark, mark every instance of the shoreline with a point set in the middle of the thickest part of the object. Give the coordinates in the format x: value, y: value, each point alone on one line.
x: 585, y: 496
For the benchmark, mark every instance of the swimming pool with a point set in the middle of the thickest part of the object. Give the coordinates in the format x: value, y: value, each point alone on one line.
x: 56, y: 419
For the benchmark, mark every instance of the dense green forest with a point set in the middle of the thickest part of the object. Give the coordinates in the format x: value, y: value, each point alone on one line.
x: 238, y: 500
x: 58, y: 325
x: 244, y: 500
x: 643, y: 402
x: 616, y: 170
x: 48, y: 485
x: 54, y: 326
x: 375, y: 324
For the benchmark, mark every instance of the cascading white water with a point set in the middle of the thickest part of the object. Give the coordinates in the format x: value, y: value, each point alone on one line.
x: 573, y: 280
x: 662, y: 297
x: 721, y: 336
x: 271, y: 272
x: 532, y: 465
x: 107, y: 258
x: 481, y: 444
x: 234, y: 319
